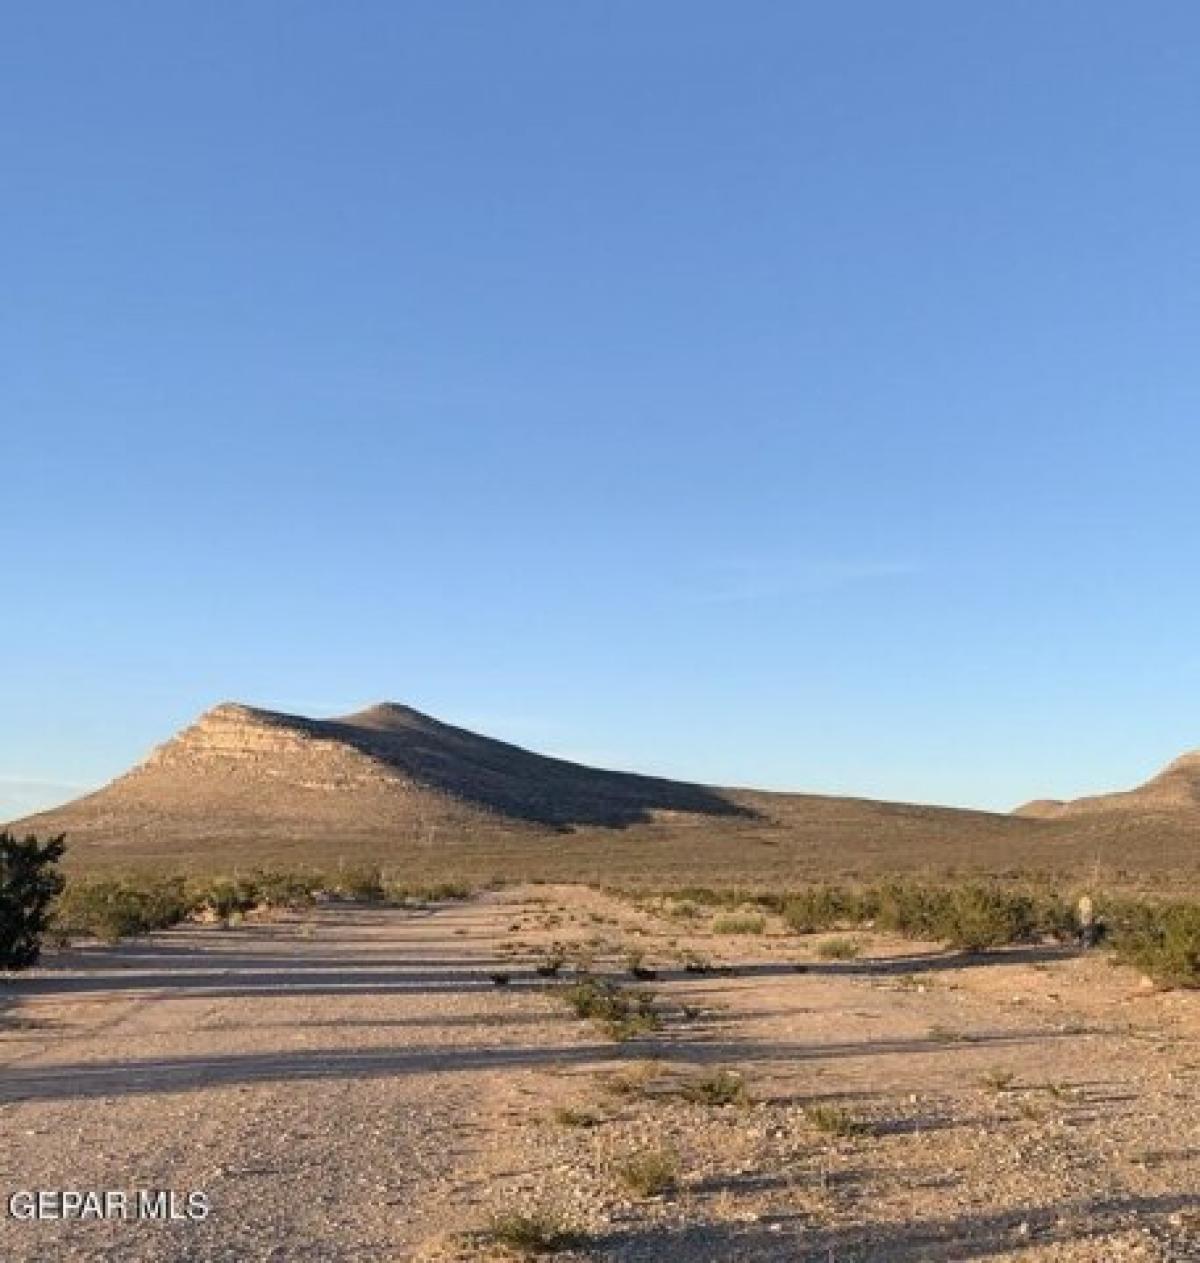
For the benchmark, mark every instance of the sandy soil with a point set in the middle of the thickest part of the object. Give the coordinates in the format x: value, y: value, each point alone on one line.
x: 352, y: 1084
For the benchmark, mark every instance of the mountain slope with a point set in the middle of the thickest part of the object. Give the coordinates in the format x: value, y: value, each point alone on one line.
x: 240, y: 769
x: 244, y: 786
x: 1175, y: 791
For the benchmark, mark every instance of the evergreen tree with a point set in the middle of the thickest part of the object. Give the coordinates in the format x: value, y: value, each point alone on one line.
x: 29, y: 884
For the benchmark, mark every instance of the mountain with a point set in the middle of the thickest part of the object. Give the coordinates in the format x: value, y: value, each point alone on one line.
x: 245, y: 786
x: 1174, y: 792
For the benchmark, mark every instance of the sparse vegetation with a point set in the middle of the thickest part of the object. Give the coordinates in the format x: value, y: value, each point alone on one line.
x: 550, y: 965
x: 717, y: 1087
x: 572, y: 1116
x: 740, y: 923
x: 834, y: 1120
x: 111, y: 909
x: 839, y: 949
x: 363, y: 882
x: 634, y: 1079
x: 649, y: 1172
x: 621, y: 1013
x: 999, y: 1080
x: 539, y: 1230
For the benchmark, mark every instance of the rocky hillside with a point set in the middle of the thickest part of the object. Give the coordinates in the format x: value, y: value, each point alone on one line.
x: 244, y: 786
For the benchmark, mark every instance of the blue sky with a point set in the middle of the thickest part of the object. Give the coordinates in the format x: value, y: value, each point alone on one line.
x: 803, y: 395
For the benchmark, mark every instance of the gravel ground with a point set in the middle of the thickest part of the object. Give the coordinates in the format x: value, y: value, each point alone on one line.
x: 352, y: 1084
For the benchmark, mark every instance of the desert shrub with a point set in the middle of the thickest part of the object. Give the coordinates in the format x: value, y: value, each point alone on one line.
x: 707, y: 896
x: 977, y: 918
x: 839, y: 948
x: 649, y: 1172
x: 223, y: 897
x: 820, y: 908
x: 426, y: 892
x: 834, y: 1120
x: 623, y: 1014
x: 717, y: 1087
x: 572, y: 1116
x: 1162, y: 940
x: 998, y: 1080
x: 538, y: 1230
x: 740, y: 923
x: 363, y: 882
x: 29, y: 884
x: 285, y: 890
x: 115, y: 908
x: 973, y: 917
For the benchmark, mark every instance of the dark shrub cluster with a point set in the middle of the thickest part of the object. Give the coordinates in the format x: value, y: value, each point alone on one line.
x: 113, y: 908
x: 1160, y: 939
x: 29, y: 883
x: 623, y: 1014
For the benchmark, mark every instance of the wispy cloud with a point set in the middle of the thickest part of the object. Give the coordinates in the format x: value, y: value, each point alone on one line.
x: 23, y: 795
x: 754, y: 580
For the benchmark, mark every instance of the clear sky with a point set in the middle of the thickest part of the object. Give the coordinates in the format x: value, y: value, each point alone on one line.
x: 798, y: 394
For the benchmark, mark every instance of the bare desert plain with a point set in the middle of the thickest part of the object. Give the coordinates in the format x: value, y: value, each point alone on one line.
x: 436, y: 1082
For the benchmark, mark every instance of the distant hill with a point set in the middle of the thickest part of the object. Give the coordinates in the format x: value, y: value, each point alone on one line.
x: 1174, y: 792
x: 243, y: 786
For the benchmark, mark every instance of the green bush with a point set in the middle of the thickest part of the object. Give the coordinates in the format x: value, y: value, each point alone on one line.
x: 821, y: 908
x: 649, y: 1172
x: 115, y: 908
x: 222, y: 897
x: 363, y: 882
x: 839, y: 948
x: 1162, y: 940
x: 621, y: 1013
x: 29, y: 883
x: 285, y: 890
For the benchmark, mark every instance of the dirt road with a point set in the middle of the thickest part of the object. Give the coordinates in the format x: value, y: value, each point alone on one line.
x: 352, y: 1084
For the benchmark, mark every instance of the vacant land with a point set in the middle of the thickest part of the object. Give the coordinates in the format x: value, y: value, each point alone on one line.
x: 444, y: 1083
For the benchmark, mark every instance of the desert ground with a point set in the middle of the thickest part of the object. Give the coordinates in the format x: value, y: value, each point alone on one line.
x: 388, y: 1083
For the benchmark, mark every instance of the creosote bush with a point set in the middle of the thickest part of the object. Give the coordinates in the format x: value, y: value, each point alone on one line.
x: 740, y: 923
x: 623, y: 1014
x: 1162, y: 940
x: 113, y: 908
x: 839, y: 948
x: 539, y: 1230
x: 649, y: 1172
x: 29, y: 883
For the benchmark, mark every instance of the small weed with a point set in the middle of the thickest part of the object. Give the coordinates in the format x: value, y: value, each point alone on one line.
x: 551, y: 966
x: 833, y: 1120
x: 718, y: 1087
x: 650, y: 1172
x: 999, y: 1080
x: 839, y: 949
x: 634, y: 1079
x: 570, y: 1116
x: 946, y: 1035
x: 535, y: 1231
